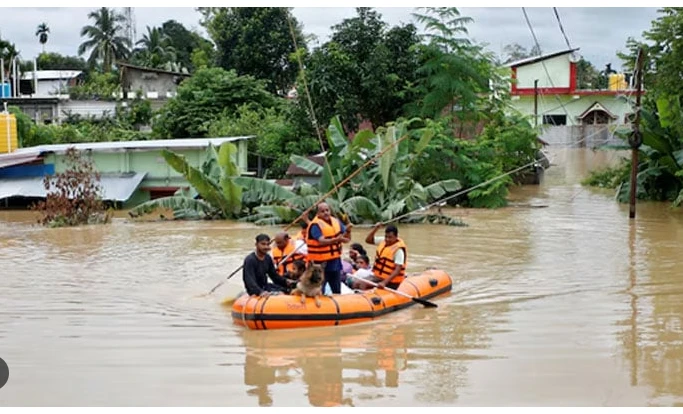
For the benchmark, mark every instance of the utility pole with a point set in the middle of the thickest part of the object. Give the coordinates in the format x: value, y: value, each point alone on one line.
x: 535, y: 102
x: 636, y: 139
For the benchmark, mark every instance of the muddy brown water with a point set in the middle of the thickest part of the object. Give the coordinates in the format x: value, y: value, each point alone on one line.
x: 557, y: 300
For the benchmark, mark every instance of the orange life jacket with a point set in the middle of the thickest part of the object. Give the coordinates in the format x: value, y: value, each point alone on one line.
x: 317, y: 252
x: 384, y: 261
x: 278, y: 255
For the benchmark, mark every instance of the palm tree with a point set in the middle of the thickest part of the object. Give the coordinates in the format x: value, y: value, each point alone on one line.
x: 155, y: 51
x: 106, y: 38
x: 42, y: 32
x: 8, y: 51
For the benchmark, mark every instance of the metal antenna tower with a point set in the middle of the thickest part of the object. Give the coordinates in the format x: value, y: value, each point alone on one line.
x: 130, y: 25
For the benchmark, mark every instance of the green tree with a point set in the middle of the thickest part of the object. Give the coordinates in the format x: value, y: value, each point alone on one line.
x: 155, y: 49
x: 515, y: 51
x: 105, y: 38
x: 455, y: 73
x: 277, y: 138
x: 663, y: 48
x: 55, y: 61
x: 206, y: 96
x: 588, y: 77
x: 8, y: 51
x: 255, y: 41
x: 185, y: 43
x: 42, y: 34
x: 365, y: 72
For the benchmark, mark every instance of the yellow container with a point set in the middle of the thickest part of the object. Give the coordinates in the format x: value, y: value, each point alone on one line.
x: 8, y: 136
x: 617, y: 82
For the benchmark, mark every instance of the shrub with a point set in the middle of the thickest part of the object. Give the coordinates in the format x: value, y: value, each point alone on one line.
x: 74, y: 196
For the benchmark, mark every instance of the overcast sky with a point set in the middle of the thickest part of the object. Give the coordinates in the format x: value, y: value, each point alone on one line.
x: 599, y: 32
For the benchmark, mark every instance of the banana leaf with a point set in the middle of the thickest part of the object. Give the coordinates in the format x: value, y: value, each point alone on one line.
x: 210, y: 167
x: 425, y: 139
x: 434, y: 219
x: 669, y: 109
x: 327, y: 180
x: 206, y: 188
x: 387, y: 159
x: 336, y: 137
x: 232, y: 192
x: 271, y: 215
x: 362, y: 140
x: 678, y: 156
x: 182, y: 207
x: 306, y: 164
x: 441, y: 188
x: 393, y: 209
x: 263, y: 191
x: 361, y: 207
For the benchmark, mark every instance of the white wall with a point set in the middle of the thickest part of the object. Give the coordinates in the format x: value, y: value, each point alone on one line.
x: 558, y: 68
x: 50, y: 88
x: 86, y: 108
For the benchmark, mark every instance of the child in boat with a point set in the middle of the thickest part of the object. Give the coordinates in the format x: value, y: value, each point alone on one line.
x: 298, y: 268
x: 363, y: 272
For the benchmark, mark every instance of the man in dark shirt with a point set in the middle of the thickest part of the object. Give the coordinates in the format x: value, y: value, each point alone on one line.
x: 258, y: 266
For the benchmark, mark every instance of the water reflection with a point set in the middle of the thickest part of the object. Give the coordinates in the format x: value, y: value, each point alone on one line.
x: 654, y: 342
x: 369, y: 355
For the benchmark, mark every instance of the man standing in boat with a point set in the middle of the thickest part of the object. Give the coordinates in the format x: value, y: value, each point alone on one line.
x: 324, y: 239
x: 258, y: 266
x: 391, y: 259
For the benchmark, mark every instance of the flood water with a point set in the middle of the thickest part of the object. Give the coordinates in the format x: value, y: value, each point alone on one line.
x: 558, y: 300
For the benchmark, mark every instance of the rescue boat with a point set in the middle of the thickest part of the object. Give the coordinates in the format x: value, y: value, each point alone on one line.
x: 287, y: 311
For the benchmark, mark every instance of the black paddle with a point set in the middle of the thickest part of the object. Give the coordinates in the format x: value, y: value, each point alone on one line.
x: 423, y: 302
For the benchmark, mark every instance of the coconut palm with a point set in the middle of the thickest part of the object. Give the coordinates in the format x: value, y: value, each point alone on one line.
x: 155, y: 51
x: 41, y: 33
x: 8, y: 51
x: 106, y: 39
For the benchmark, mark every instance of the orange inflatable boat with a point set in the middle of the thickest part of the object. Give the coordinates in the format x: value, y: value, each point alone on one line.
x: 287, y: 311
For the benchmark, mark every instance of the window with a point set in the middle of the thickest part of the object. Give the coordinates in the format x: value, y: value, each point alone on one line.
x: 555, y: 119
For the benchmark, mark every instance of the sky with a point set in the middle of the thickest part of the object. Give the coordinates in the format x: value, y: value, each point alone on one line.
x: 598, y: 32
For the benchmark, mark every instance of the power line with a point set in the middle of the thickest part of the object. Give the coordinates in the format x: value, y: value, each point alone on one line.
x: 526, y: 17
x: 550, y: 79
x: 557, y: 15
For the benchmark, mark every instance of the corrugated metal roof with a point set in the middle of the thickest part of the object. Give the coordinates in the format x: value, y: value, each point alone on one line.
x: 8, y: 160
x: 115, y: 187
x: 52, y: 74
x: 131, y: 145
x: 534, y: 59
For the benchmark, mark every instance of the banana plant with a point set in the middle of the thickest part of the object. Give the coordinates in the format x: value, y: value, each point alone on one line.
x: 383, y: 190
x: 660, y: 174
x: 223, y: 192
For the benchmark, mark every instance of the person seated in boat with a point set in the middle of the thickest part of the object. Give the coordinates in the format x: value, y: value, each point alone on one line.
x: 300, y: 237
x: 355, y: 251
x: 298, y: 268
x: 362, y: 271
x: 258, y: 267
x: 324, y: 239
x: 391, y: 258
x: 284, y: 253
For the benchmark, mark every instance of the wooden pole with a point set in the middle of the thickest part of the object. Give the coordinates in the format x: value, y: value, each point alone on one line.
x: 635, y: 140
